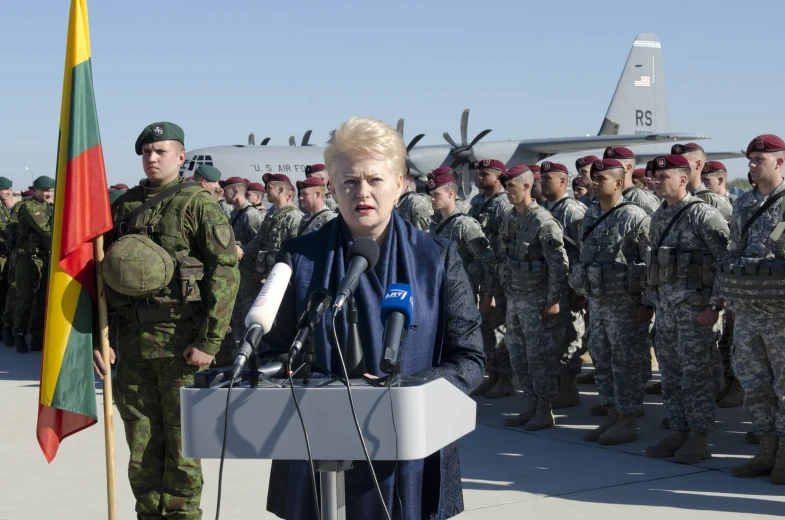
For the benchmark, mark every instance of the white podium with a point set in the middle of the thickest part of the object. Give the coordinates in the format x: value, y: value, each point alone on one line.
x: 263, y: 424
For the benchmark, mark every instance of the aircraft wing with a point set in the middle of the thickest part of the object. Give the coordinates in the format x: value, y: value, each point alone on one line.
x: 710, y: 156
x: 556, y: 145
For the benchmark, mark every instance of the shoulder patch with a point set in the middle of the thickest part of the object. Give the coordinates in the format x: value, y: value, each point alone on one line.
x: 223, y: 235
x: 552, y: 243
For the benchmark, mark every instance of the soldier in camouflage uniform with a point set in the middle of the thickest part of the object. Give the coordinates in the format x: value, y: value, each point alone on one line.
x: 10, y: 236
x: 34, y: 243
x: 687, y: 236
x: 166, y: 337
x: 538, y: 306
x: 6, y: 204
x: 280, y: 224
x: 490, y: 208
x: 246, y: 222
x: 569, y: 213
x: 320, y: 171
x: 611, y: 273
x: 462, y: 205
x: 752, y: 279
x: 311, y: 196
x: 583, y: 167
x: 256, y: 196
x: 415, y: 207
x: 694, y: 153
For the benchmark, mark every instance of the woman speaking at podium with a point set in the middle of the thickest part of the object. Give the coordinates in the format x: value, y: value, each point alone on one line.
x: 366, y: 163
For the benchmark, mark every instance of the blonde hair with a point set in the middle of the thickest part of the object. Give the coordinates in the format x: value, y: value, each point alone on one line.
x: 366, y: 136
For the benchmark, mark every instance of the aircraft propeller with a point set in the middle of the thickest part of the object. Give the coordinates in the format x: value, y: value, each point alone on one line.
x: 461, y: 156
x: 412, y: 144
x: 265, y: 141
x: 306, y: 138
x: 251, y: 139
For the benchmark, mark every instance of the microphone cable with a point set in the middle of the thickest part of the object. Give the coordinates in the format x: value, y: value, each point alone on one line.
x: 357, y: 422
x: 307, y: 442
x: 397, y: 370
x: 223, y: 451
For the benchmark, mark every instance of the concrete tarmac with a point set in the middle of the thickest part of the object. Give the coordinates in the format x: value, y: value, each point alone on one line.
x: 507, y: 473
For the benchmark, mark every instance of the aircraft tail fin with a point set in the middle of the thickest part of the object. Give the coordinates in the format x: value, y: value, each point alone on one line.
x: 639, y: 105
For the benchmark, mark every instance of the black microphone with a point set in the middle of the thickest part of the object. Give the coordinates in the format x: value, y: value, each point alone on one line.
x: 396, y: 316
x: 253, y: 335
x: 363, y: 256
x: 318, y: 302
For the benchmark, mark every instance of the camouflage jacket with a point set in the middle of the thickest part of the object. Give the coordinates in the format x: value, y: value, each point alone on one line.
x: 8, y: 233
x: 642, y: 198
x: 277, y: 227
x: 246, y: 223
x: 586, y: 200
x: 569, y: 212
x: 461, y: 205
x: 311, y: 223
x: 731, y: 198
x: 473, y: 248
x: 490, y: 213
x: 329, y: 201
x: 720, y: 202
x: 698, y: 238
x: 34, y: 231
x: 227, y: 208
x: 534, y: 235
x: 416, y: 208
x: 206, y: 236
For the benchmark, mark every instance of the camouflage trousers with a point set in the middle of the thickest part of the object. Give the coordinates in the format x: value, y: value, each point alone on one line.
x: 147, y: 395
x: 759, y: 365
x: 684, y: 353
x: 30, y: 306
x: 537, y: 346
x: 571, y: 362
x: 492, y: 328
x: 9, y: 300
x: 617, y: 345
x: 724, y: 345
x: 246, y: 295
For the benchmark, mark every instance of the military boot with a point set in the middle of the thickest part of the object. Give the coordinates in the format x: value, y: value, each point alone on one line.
x: 624, y: 430
x: 568, y: 392
x: 695, y: 450
x: 8, y: 335
x: 778, y: 473
x: 750, y: 438
x: 611, y: 416
x: 586, y: 379
x: 543, y: 418
x: 668, y: 446
x: 654, y: 388
x: 525, y: 416
x: 21, y: 346
x: 599, y: 410
x: 761, y: 464
x: 486, y: 385
x: 502, y: 388
x: 35, y: 342
x: 665, y: 423
x: 734, y: 397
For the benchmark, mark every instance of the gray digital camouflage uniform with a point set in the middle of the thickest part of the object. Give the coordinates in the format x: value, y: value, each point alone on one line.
x: 720, y: 202
x: 681, y: 280
x: 277, y: 227
x: 415, y: 208
x: 611, y: 273
x: 311, y: 223
x: 473, y: 248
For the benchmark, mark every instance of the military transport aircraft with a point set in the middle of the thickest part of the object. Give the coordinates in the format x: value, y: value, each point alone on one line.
x: 637, y: 115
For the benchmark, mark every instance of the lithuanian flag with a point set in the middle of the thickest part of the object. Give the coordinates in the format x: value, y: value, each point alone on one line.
x: 67, y: 392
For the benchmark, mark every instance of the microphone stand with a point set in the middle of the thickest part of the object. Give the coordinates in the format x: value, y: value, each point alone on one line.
x: 355, y: 362
x: 253, y: 369
x: 308, y: 358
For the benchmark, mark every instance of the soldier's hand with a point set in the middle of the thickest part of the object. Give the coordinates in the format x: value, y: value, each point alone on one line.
x: 239, y: 252
x: 98, y: 363
x: 194, y: 356
x: 487, y: 303
x: 550, y: 310
x: 708, y: 317
x: 643, y: 314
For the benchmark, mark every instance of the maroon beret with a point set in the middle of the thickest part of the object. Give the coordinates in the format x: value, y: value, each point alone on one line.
x: 514, y: 172
x: 442, y: 170
x: 605, y: 165
x: 679, y: 149
x: 667, y: 162
x: 714, y: 167
x: 314, y: 168
x: 272, y: 177
x: 765, y: 143
x: 409, y: 179
x: 28, y: 193
x: 534, y: 168
x: 437, y: 181
x: 650, y: 168
x: 618, y: 152
x: 638, y: 173
x: 232, y: 180
x: 119, y: 187
x: 31, y: 188
x: 256, y: 186
x: 549, y: 166
x: 310, y: 182
x: 491, y: 164
x: 585, y: 161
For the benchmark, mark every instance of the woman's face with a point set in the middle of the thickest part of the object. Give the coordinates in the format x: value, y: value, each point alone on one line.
x: 366, y: 192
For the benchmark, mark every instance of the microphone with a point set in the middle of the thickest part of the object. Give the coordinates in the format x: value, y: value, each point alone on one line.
x: 396, y: 316
x: 318, y: 302
x: 260, y: 318
x: 363, y: 256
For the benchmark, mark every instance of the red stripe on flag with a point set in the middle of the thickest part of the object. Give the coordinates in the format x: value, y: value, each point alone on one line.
x: 55, y: 425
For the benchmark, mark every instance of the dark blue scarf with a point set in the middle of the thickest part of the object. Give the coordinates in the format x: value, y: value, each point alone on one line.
x: 407, y: 256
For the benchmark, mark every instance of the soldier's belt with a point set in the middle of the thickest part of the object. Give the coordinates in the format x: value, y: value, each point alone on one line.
x: 144, y: 313
x: 762, y: 283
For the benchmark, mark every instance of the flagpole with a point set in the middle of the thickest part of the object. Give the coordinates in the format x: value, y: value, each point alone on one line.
x: 103, y: 334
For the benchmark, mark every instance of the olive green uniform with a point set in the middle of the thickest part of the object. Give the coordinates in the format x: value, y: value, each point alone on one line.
x: 9, y: 235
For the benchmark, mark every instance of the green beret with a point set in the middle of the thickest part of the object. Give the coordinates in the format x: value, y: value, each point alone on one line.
x: 208, y: 173
x: 5, y: 183
x: 44, y: 183
x: 115, y: 194
x: 162, y: 131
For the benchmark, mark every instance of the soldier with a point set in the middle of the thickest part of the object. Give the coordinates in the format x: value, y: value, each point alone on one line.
x: 611, y: 273
x: 280, y: 224
x: 320, y: 171
x: 538, y: 309
x: 715, y: 177
x: 537, y: 188
x: 256, y: 196
x: 639, y: 178
x: 246, y: 222
x: 687, y: 237
x: 116, y: 191
x: 311, y: 196
x: 583, y: 166
x: 578, y: 191
x: 489, y: 208
x: 6, y: 204
x: 752, y: 281
x: 632, y: 193
x: 10, y: 237
x: 650, y: 178
x: 415, y: 207
x: 34, y: 242
x: 462, y: 205
x: 569, y: 213
x: 694, y: 153
x: 169, y: 326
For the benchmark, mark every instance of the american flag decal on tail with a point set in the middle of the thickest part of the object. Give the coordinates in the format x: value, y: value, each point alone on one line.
x: 643, y: 81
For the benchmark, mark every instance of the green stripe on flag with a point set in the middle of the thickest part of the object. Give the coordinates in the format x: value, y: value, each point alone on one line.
x: 83, y: 130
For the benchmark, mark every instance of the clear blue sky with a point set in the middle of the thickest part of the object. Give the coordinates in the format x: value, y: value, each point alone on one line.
x: 526, y: 69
